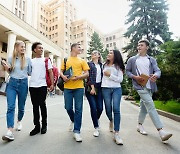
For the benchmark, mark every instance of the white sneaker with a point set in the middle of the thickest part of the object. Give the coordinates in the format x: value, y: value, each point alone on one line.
x: 9, y: 136
x: 111, y: 126
x: 96, y: 132
x: 77, y: 137
x: 141, y: 130
x: 71, y: 126
x: 117, y: 139
x: 19, y: 126
x: 164, y: 135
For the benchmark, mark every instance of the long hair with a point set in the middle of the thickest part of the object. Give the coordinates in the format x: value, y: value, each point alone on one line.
x: 100, y: 56
x: 15, y: 55
x: 118, y: 61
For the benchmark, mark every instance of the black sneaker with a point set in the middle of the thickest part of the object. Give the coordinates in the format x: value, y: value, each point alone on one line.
x: 35, y: 131
x: 44, y: 130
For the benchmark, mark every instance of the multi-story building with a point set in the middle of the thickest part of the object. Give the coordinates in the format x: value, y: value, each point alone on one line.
x: 54, y: 22
x: 18, y: 21
x: 82, y: 30
x: 116, y: 40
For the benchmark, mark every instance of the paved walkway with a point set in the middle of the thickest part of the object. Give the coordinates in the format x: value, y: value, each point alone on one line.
x: 58, y: 140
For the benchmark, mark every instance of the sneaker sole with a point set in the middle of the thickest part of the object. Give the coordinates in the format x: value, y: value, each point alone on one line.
x: 167, y: 137
x: 141, y: 133
x: 118, y: 143
x: 77, y: 140
x: 4, y: 138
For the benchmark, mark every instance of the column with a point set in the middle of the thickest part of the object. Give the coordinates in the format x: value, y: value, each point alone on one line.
x: 11, y: 42
x: 58, y: 63
x: 28, y: 49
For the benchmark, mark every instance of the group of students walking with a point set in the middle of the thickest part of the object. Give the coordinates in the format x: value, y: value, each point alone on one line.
x: 102, y: 83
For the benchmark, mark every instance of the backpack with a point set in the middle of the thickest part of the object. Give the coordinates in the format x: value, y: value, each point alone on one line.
x: 55, y: 73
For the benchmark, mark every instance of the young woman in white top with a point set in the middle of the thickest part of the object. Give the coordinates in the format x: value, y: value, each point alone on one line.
x: 111, y: 90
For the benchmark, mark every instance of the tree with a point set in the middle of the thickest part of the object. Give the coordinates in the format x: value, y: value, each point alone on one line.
x: 169, y: 63
x: 95, y: 44
x: 147, y: 19
x: 105, y: 53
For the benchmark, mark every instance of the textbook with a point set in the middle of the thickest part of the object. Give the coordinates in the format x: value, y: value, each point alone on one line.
x: 145, y: 80
x: 69, y: 72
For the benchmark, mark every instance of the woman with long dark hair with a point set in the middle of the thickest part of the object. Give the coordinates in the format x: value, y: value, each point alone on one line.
x: 93, y: 89
x: 111, y: 90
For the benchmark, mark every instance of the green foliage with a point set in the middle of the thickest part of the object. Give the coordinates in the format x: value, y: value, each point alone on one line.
x: 169, y: 63
x: 169, y: 106
x: 147, y: 19
x: 95, y: 44
x: 105, y: 53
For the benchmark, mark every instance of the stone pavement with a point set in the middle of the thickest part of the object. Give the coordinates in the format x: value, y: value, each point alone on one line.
x: 59, y: 141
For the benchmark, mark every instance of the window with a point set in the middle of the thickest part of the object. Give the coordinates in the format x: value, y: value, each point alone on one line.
x: 82, y: 42
x: 114, y: 36
x: 23, y: 16
x: 43, y: 26
x: 66, y: 34
x: 107, y: 45
x: 114, y: 44
x: 110, y: 44
x: 81, y: 34
x: 50, y: 21
x: 74, y: 29
x: 70, y: 36
x: 106, y: 38
x: 49, y: 36
x: 49, y: 28
x: 52, y: 35
x: 16, y: 2
x: 46, y: 21
x: 77, y: 27
x: 23, y: 5
x: 70, y: 28
x: 77, y: 35
x: 56, y: 34
x: 66, y: 42
x: 74, y: 36
x: 56, y: 18
x: 53, y: 20
x: 66, y: 26
x: 46, y: 28
x: 19, y: 14
x: 56, y: 42
x: 56, y: 26
x: 15, y: 11
x: 110, y: 38
x: 20, y: 4
x: 41, y: 17
x: 52, y: 27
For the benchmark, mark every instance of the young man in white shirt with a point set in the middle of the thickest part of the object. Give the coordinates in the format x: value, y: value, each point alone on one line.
x: 142, y: 63
x: 38, y: 88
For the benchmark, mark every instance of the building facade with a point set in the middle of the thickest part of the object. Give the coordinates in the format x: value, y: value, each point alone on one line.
x: 116, y: 40
x: 18, y: 22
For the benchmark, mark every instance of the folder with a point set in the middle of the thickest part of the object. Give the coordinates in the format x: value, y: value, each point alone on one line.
x: 145, y: 80
x: 69, y: 72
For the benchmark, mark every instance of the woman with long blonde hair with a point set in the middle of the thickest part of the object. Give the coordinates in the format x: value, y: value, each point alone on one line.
x: 18, y: 67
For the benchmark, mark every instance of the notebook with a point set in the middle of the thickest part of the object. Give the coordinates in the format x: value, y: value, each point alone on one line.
x: 145, y: 80
x: 69, y: 72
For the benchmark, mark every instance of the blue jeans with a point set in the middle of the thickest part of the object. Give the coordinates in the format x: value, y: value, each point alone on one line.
x: 76, y: 116
x: 147, y: 106
x: 15, y: 87
x: 112, y: 99
x: 96, y: 104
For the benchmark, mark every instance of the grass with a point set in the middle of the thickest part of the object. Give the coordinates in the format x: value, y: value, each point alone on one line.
x: 170, y: 106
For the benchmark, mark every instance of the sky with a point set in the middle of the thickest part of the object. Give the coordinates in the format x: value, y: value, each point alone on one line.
x: 109, y: 15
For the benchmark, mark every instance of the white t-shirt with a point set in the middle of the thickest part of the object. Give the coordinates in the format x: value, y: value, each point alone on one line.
x: 98, y: 74
x: 38, y: 75
x: 142, y: 64
x: 115, y: 78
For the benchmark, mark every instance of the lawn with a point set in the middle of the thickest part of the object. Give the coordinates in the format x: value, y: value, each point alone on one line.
x: 170, y: 106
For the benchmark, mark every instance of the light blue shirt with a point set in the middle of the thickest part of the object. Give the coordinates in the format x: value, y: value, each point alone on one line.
x: 19, y: 73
